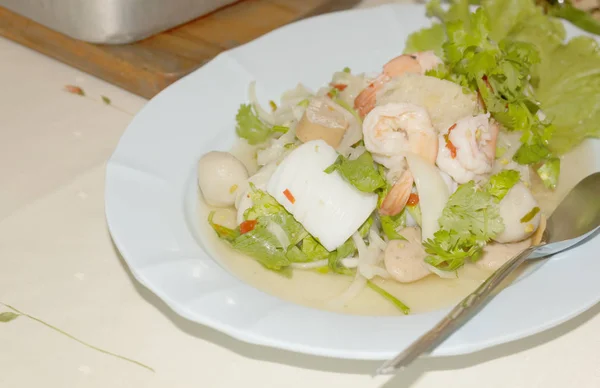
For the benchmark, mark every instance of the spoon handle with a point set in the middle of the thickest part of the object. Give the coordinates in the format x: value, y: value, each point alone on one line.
x: 459, y: 315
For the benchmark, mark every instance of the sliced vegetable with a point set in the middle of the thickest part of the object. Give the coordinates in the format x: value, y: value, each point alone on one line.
x: 529, y: 216
x: 222, y: 231
x: 247, y: 226
x: 250, y: 127
x: 360, y: 173
x: 499, y: 184
x: 549, y: 172
x: 468, y: 221
x: 395, y: 301
x: 391, y: 224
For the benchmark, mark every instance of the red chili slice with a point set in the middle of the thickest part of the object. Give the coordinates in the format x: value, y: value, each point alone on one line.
x: 248, y: 226
x: 413, y: 199
x: 289, y: 196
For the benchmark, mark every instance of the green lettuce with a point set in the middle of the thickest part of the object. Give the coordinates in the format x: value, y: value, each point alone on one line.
x: 308, y: 250
x: 347, y: 249
x: 569, y: 91
x: 360, y: 173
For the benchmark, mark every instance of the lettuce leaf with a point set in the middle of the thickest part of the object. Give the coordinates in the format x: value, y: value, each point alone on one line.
x: 360, y: 173
x: 578, y: 17
x: 223, y: 232
x: 569, y: 90
x: 469, y: 220
x: 427, y: 39
x: 308, y: 250
x: 347, y: 249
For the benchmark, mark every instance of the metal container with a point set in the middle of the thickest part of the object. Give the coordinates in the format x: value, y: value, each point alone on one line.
x: 112, y: 21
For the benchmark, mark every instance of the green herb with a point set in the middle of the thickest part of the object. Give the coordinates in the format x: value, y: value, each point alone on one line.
x: 549, y: 172
x: 280, y: 129
x: 8, y: 316
x: 363, y: 231
x: 250, y: 127
x: 360, y: 173
x: 346, y: 69
x: 308, y: 250
x: 415, y: 213
x: 346, y: 106
x: 578, y: 17
x: 529, y: 216
x: 56, y: 329
x: 348, y: 249
x: 222, y: 231
x: 304, y: 103
x: 468, y: 221
x: 391, y: 224
x: 106, y: 100
x: 401, y: 306
x: 499, y: 184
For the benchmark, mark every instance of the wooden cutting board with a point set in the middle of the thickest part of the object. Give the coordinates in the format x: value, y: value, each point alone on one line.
x: 147, y: 67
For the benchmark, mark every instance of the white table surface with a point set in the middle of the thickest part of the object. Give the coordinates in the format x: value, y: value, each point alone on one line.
x: 57, y: 263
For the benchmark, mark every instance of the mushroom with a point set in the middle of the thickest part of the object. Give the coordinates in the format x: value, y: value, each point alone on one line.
x: 220, y: 175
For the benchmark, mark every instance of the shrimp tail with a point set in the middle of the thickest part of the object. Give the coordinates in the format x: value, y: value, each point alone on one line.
x: 395, y: 201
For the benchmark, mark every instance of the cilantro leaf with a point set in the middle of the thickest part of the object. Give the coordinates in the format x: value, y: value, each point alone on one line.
x: 499, y: 184
x: 468, y: 221
x: 360, y: 173
x: 391, y: 224
x: 549, y: 172
x: 250, y: 127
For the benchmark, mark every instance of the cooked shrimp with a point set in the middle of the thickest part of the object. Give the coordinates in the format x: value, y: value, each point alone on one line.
x: 390, y: 132
x: 405, y: 260
x: 417, y: 63
x: 468, y: 148
x: 396, y: 199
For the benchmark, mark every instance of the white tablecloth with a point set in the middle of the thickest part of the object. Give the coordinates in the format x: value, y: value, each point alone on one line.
x: 57, y: 263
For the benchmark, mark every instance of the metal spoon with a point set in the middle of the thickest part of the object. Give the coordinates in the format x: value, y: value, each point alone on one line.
x: 576, y: 218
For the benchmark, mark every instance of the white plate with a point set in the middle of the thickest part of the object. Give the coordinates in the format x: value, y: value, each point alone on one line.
x: 150, y: 199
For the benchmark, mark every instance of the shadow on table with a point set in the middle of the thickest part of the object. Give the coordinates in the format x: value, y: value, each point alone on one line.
x: 404, y: 379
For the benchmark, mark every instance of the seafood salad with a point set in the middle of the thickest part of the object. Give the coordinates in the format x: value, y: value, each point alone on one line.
x: 419, y: 170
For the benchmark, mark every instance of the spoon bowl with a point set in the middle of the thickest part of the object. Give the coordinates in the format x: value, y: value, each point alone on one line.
x: 576, y: 218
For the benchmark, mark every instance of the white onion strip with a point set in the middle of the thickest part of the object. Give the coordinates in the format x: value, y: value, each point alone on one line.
x: 263, y: 114
x: 311, y: 265
x: 277, y: 231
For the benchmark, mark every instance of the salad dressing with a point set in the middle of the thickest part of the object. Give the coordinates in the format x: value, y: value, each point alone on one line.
x: 317, y: 290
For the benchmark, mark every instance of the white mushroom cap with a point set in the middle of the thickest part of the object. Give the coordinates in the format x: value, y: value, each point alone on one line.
x: 220, y: 175
x: 517, y: 203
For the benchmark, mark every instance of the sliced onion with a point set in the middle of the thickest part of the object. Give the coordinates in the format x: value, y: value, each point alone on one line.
x: 311, y: 265
x: 279, y: 234
x: 350, y: 262
x: 433, y: 193
x: 440, y: 273
x: 358, y: 284
x: 262, y: 114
